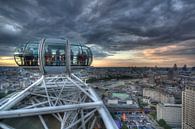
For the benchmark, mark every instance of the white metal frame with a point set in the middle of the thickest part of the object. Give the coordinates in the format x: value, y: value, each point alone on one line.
x: 66, y: 97
x: 61, y: 96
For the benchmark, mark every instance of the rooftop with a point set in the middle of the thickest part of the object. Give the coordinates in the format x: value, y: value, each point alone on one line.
x: 122, y: 96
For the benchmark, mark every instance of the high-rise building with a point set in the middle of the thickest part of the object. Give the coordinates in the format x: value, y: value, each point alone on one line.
x: 188, y: 107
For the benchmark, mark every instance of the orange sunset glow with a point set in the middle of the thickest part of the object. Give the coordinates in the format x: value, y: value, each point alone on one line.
x: 7, y: 61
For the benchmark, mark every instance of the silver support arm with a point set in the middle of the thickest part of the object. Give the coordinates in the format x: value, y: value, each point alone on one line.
x: 5, y: 126
x: 48, y: 110
x: 41, y: 52
x: 105, y: 115
x: 68, y: 60
x: 21, y: 95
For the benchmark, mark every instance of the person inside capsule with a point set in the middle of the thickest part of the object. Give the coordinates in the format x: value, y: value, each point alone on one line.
x: 48, y: 56
x: 58, y: 61
x: 71, y: 56
x: 28, y: 58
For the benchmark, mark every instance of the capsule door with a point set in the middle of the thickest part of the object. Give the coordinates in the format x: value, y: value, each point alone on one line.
x: 54, y: 56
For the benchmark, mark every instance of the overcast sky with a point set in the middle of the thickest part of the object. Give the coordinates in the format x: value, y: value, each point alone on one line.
x: 120, y: 32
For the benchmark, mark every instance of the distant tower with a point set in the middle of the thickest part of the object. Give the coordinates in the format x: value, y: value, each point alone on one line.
x: 175, y: 67
x: 172, y: 73
x: 184, y: 68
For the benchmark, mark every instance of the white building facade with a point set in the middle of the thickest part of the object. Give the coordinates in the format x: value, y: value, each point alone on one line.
x: 158, y: 96
x: 171, y: 113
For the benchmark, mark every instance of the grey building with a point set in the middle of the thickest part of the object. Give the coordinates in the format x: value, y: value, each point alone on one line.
x: 188, y: 107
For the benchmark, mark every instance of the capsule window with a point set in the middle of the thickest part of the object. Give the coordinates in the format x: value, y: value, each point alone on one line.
x: 55, y: 55
x: 31, y: 54
x: 75, y: 52
x: 85, y: 56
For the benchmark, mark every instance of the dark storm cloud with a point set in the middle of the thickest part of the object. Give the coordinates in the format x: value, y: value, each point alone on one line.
x: 114, y: 25
x: 143, y: 23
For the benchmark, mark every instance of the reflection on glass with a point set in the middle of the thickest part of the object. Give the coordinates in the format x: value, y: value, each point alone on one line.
x: 55, y: 55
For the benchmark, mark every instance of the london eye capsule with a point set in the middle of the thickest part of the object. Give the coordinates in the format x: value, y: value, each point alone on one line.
x: 53, y: 55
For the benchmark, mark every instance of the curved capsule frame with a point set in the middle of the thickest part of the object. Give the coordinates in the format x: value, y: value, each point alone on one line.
x: 68, y: 58
x: 41, y: 56
x: 20, y: 54
x: 38, y: 57
x: 15, y: 58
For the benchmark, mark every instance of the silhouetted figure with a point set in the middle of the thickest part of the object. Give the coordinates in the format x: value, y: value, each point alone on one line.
x: 84, y: 61
x: 63, y: 59
x: 28, y: 57
x: 48, y: 56
x: 71, y: 56
x: 31, y: 57
x: 34, y: 60
x: 79, y: 58
x: 58, y: 57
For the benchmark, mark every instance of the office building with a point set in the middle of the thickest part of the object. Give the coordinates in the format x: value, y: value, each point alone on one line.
x: 188, y: 107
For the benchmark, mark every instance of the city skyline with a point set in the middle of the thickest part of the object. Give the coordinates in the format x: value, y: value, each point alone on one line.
x: 120, y: 34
